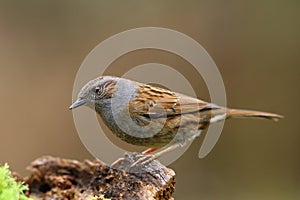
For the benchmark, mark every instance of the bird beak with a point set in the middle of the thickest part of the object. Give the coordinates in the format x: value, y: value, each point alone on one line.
x: 77, y: 103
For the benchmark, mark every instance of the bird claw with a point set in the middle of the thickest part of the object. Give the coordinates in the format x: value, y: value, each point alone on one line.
x: 143, y: 160
x: 114, y: 164
x: 133, y: 161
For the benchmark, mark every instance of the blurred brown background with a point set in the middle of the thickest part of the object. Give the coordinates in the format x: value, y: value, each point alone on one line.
x: 255, y: 44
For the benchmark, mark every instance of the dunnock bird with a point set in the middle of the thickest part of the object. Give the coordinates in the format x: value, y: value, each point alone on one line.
x: 153, y: 117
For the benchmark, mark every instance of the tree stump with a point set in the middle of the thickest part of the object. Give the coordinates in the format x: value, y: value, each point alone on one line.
x: 57, y: 178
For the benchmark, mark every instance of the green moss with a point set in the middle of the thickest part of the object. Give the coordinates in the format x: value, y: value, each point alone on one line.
x: 10, y: 189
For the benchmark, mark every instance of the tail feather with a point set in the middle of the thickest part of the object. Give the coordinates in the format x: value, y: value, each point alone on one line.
x: 252, y: 113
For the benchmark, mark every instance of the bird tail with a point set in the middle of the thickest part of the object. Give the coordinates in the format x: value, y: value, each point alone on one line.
x: 236, y: 113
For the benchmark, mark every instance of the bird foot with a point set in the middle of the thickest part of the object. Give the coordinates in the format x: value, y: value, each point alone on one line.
x: 143, y: 160
x: 117, y: 162
x: 136, y: 163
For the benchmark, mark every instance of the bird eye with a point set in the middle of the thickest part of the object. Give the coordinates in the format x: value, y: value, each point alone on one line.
x: 97, y: 90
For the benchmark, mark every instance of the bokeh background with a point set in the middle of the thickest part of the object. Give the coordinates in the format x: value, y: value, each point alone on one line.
x: 255, y: 44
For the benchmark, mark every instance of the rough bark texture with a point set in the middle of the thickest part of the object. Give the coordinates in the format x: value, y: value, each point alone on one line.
x: 56, y: 178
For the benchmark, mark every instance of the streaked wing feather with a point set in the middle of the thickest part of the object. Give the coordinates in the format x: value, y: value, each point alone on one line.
x: 157, y: 102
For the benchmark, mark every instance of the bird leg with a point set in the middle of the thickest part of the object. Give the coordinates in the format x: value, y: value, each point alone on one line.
x: 153, y: 153
x: 146, y: 152
x: 180, y: 141
x: 150, y: 150
x: 149, y: 157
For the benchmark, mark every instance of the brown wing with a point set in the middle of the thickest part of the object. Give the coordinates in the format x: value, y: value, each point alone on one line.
x: 156, y: 102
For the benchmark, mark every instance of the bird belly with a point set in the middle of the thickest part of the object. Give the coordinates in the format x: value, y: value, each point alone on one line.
x: 155, y: 133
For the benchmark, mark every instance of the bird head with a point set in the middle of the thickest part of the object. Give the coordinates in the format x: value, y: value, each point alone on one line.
x: 96, y: 92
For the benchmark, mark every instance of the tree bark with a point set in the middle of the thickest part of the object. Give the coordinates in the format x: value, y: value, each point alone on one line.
x: 57, y: 178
